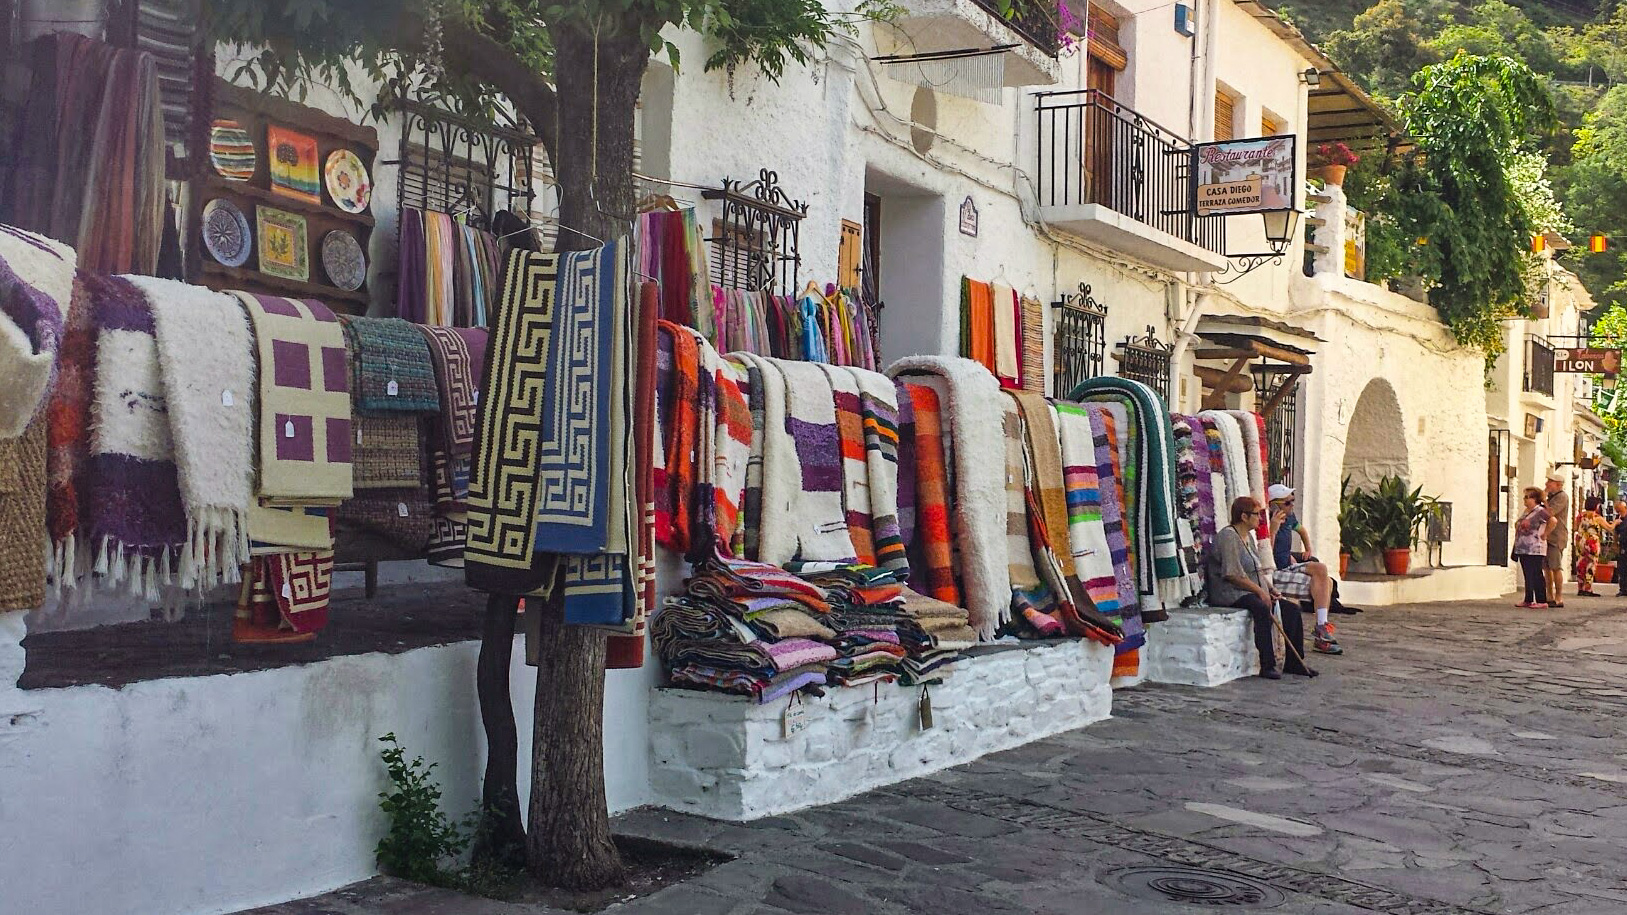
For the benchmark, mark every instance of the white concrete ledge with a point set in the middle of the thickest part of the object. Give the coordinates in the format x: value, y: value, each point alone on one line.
x: 726, y: 757
x: 1456, y: 583
x: 1200, y: 646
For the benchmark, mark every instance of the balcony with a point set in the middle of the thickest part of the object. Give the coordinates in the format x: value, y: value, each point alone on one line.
x: 1539, y: 367
x: 935, y: 26
x: 1111, y: 176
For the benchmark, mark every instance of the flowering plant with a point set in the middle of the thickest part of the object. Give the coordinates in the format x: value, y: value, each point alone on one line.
x: 1336, y: 154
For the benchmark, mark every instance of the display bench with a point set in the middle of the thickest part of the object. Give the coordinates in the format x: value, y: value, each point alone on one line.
x: 1200, y: 646
x: 726, y: 757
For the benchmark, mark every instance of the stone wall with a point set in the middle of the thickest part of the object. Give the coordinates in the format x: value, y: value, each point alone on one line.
x: 1201, y: 646
x: 726, y: 757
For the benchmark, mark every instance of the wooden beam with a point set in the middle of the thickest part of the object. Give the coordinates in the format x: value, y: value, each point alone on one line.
x: 1255, y: 348
x: 1223, y: 354
x: 1276, y: 398
x: 1222, y: 380
x: 1216, y: 399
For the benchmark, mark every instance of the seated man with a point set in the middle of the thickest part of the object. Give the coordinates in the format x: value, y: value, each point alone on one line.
x: 1299, y: 575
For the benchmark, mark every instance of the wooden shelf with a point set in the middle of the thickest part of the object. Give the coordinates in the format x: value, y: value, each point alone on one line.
x: 243, y: 276
x: 214, y: 184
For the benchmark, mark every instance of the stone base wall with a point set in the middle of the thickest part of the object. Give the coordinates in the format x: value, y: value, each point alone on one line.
x: 1202, y: 646
x: 726, y: 757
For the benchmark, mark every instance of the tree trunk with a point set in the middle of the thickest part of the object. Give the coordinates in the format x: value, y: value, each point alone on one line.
x: 598, y: 76
x: 500, y: 840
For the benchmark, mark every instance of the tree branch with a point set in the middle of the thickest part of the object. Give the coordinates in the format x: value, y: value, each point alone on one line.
x: 491, y: 62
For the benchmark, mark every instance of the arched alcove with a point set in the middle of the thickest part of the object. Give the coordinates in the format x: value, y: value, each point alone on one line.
x: 1376, y: 440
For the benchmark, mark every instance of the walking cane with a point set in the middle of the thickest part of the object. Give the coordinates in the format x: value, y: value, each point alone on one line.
x: 1286, y: 642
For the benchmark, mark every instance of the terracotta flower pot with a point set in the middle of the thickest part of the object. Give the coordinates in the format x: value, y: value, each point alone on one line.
x: 1604, y: 572
x: 1344, y: 564
x: 1397, y: 561
x: 1333, y: 174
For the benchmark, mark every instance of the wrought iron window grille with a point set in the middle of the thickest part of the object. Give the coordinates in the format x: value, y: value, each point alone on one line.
x: 453, y: 164
x: 1147, y: 360
x: 1081, y: 340
x: 1281, y: 456
x: 755, y: 238
x: 1539, y: 366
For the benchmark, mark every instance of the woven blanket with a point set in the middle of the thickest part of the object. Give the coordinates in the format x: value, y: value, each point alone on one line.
x: 1165, y: 577
x: 1007, y: 336
x: 68, y: 431
x: 1033, y: 332
x: 1259, y: 459
x: 1233, y: 462
x: 403, y: 517
x: 773, y: 476
x: 820, y: 514
x: 878, y: 408
x: 977, y: 323
x: 1245, y: 474
x: 209, y: 392
x: 1026, y: 588
x: 975, y: 409
x: 855, y: 468
x: 1192, y: 478
x: 1093, y: 556
x: 906, y: 466
x: 932, y: 559
x: 1106, y: 420
x: 457, y: 355
x: 728, y: 447
x: 23, y: 533
x: 36, y: 286
x: 304, y: 396
x: 1045, y: 450
x: 677, y: 371
x: 625, y: 649
x: 388, y: 452
x: 289, y: 529
x: 1219, y: 496
x: 390, y: 367
x: 286, y: 592
x: 1202, y: 481
x: 134, y: 516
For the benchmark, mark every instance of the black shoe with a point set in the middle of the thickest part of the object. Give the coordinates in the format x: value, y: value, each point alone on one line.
x: 1351, y: 611
x: 1306, y: 672
x: 1271, y: 673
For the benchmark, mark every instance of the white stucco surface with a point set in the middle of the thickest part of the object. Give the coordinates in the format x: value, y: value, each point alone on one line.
x: 1200, y: 646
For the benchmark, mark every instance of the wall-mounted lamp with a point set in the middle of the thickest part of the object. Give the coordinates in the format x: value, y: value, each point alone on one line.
x: 1280, y: 226
x: 1312, y: 77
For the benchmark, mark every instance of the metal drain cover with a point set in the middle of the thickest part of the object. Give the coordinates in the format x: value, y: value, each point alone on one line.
x: 1195, y: 886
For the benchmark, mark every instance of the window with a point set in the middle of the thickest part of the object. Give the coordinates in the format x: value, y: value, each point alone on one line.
x: 1147, y: 360
x: 1270, y: 126
x: 1081, y: 340
x: 1105, y: 58
x: 1225, y: 115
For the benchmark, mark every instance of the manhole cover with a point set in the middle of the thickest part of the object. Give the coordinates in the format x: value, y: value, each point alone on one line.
x: 1216, y: 889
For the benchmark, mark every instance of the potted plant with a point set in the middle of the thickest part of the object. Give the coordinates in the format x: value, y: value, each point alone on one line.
x: 1355, y: 531
x: 1331, y: 161
x: 1396, y: 513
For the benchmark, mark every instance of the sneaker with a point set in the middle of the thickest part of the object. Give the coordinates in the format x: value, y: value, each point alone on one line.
x: 1325, y: 643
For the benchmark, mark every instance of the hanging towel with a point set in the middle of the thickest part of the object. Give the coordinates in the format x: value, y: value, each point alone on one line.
x: 135, y: 519
x: 1007, y: 333
x: 209, y: 392
x: 975, y: 411
x: 820, y: 514
x: 411, y: 291
x: 977, y: 340
x: 304, y: 396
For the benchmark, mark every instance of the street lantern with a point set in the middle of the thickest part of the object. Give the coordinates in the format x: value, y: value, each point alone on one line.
x: 1279, y: 228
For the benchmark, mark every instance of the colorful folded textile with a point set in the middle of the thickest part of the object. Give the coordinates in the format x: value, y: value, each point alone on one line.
x: 390, y: 367
x: 789, y: 622
x: 36, y: 289
x: 289, y: 529
x: 773, y: 476
x: 1030, y: 597
x: 763, y: 689
x: 388, y: 452
x: 304, y: 396
x: 1093, y: 555
x: 283, y: 594
x: 878, y: 409
x: 975, y: 408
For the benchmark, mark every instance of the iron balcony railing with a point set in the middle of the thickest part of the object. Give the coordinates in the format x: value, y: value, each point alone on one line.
x: 1034, y: 21
x: 1539, y: 366
x: 1094, y: 150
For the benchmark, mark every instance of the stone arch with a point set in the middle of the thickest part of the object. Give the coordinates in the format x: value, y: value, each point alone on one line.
x: 1376, y: 439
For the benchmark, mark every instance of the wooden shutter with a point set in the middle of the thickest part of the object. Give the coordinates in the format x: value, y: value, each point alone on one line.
x: 1270, y: 126
x: 850, y: 255
x: 1225, y: 116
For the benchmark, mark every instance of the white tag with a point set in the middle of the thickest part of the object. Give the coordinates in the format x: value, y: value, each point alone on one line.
x: 392, y: 388
x: 475, y: 397
x: 287, y: 591
x: 226, y: 397
x: 358, y: 435
x: 401, y: 509
x: 795, y: 718
x: 288, y: 429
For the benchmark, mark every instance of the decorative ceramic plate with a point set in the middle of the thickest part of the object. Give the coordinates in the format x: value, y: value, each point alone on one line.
x: 293, y: 164
x: 226, y: 232
x: 347, y: 181
x: 231, y: 150
x: 343, y: 260
x: 284, y: 250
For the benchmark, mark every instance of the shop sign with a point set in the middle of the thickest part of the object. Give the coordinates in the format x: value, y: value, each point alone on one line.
x: 1588, y: 360
x: 1235, y: 177
x: 968, y: 217
x: 795, y: 719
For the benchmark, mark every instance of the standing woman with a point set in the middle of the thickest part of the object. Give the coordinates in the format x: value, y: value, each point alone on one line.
x: 1531, y: 549
x: 1589, y: 543
x: 1235, y: 580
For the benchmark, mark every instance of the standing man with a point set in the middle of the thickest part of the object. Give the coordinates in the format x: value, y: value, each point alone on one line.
x: 1616, y: 532
x: 1558, y: 534
x: 1299, y: 575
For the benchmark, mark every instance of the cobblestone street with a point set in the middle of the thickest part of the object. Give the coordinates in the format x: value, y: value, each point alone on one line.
x: 1458, y: 759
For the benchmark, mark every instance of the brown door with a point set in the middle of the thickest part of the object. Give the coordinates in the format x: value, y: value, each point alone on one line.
x: 1103, y: 62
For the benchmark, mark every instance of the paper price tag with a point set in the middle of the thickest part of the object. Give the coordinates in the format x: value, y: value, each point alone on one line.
x: 288, y: 429
x: 226, y: 399
x: 401, y: 509
x: 358, y: 435
x: 287, y: 590
x: 475, y: 396
x: 392, y: 388
x: 795, y: 719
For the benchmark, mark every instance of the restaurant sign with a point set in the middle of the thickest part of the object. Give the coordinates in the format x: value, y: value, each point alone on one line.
x: 1588, y: 360
x: 1234, y: 177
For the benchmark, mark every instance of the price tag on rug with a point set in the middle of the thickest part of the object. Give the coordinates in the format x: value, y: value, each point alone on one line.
x: 288, y: 429
x: 358, y: 435
x: 474, y: 396
x: 226, y: 398
x: 795, y: 718
x: 392, y: 388
x: 924, y: 708
x: 287, y: 590
x: 401, y: 509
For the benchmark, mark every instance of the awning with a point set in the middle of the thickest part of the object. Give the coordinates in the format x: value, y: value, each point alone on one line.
x: 1283, y: 351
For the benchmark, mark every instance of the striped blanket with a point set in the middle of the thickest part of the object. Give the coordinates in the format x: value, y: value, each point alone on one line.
x: 1092, y: 554
x: 1031, y: 599
x: 932, y: 556
x: 772, y: 488
x: 810, y: 417
x: 844, y: 390
x: 878, y: 408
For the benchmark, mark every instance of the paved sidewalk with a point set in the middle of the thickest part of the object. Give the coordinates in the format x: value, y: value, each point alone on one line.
x: 1461, y: 758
